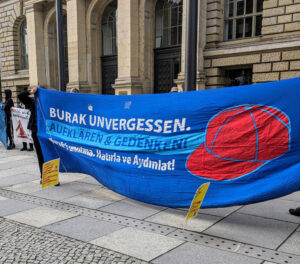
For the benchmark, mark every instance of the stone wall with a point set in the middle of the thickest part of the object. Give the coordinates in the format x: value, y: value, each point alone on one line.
x: 273, y: 56
x: 214, y: 22
x: 277, y: 66
x: 281, y: 16
x: 267, y: 66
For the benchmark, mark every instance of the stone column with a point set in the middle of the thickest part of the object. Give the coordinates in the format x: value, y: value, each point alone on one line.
x: 76, y: 24
x: 201, y: 43
x: 180, y: 78
x: 128, y: 81
x: 36, y: 51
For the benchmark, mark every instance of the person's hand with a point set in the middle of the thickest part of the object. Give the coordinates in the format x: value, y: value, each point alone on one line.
x: 33, y: 90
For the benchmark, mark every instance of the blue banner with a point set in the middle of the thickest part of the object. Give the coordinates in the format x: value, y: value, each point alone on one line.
x: 3, y: 136
x: 160, y: 148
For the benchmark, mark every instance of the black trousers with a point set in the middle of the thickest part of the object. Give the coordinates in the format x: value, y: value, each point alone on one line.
x: 25, y: 145
x: 38, y: 151
x: 9, y: 134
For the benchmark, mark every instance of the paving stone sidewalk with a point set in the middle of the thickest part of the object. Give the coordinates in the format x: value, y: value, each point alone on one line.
x: 24, y: 244
x: 83, y: 222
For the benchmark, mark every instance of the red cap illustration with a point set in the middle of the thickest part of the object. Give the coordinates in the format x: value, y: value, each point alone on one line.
x: 239, y: 140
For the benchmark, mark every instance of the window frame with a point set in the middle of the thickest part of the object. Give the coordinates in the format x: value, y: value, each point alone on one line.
x: 110, y: 18
x: 168, y: 8
x: 24, y: 65
x: 254, y: 14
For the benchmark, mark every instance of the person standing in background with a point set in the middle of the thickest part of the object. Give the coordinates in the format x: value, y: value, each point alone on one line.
x: 25, y: 143
x: 74, y: 90
x: 9, y: 103
x: 174, y: 89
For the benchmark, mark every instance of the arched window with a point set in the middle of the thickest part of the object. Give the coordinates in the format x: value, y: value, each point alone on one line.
x: 23, y: 45
x: 109, y: 29
x: 168, y: 23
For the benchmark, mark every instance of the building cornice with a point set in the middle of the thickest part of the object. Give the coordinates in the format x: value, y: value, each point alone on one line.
x: 22, y: 74
x: 267, y: 46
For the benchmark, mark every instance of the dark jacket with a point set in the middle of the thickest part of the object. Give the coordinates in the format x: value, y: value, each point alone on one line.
x: 9, y: 103
x: 29, y: 104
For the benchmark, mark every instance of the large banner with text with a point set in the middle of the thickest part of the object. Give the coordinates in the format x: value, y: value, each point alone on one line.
x: 159, y: 148
x: 3, y: 136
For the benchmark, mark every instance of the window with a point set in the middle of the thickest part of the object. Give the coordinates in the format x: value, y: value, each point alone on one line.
x: 168, y: 23
x: 238, y: 77
x: 243, y: 19
x: 23, y: 45
x: 109, y: 30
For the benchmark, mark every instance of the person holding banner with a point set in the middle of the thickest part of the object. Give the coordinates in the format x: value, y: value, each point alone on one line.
x: 32, y: 125
x: 9, y: 103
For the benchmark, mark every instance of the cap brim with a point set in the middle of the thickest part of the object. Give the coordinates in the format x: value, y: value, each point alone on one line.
x: 204, y: 164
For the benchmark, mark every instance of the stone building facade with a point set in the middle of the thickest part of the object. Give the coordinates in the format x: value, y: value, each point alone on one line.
x: 138, y: 46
